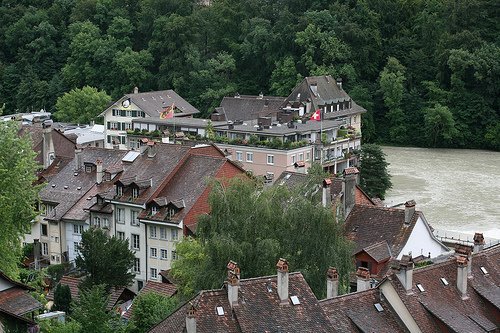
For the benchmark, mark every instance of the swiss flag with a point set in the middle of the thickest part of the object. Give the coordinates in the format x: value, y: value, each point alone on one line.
x: 316, y: 115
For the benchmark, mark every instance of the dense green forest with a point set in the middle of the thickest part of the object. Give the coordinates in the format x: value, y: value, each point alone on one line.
x: 427, y: 71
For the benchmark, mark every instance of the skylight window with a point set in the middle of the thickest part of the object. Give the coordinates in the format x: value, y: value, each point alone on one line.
x: 220, y: 311
x: 484, y: 270
x: 295, y: 300
x: 420, y: 287
x: 445, y: 282
x: 379, y: 307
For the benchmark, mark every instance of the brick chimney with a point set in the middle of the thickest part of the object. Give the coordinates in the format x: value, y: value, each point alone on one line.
x: 332, y: 283
x: 48, y: 151
x: 99, y: 171
x: 78, y: 158
x: 282, y: 283
x: 409, y: 211
x: 405, y: 272
x: 233, y: 282
x: 465, y: 251
x: 191, y: 319
x: 327, y: 198
x: 363, y: 279
x: 462, y: 276
x: 151, y: 149
x: 349, y: 188
x: 478, y: 242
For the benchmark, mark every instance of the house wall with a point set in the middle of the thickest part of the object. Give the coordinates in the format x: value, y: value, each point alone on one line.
x: 73, y: 237
x: 108, y: 117
x: 421, y: 242
x: 373, y: 266
x: 158, y: 242
x: 55, y: 242
x: 283, y: 159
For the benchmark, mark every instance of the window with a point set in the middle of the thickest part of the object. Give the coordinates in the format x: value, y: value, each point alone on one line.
x: 175, y: 234
x: 301, y: 157
x: 294, y: 159
x: 137, y: 265
x: 120, y: 215
x: 121, y: 235
x: 163, y: 232
x: 56, y: 239
x: 75, y: 247
x: 105, y: 222
x: 97, y: 221
x: 170, y: 213
x: 50, y: 208
x: 88, y: 169
x: 153, y: 252
x: 135, y: 242
x: 45, y: 249
x: 239, y: 156
x: 119, y: 190
x: 44, y: 230
x: 308, y: 156
x: 133, y: 218
x: 77, y: 228
x: 43, y: 209
x: 154, y: 273
x: 135, y: 192
x: 163, y: 254
x: 174, y: 255
x: 154, y: 210
x: 270, y: 159
x: 152, y: 232
x: 250, y: 157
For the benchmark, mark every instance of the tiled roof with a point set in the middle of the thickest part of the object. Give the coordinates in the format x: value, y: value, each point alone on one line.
x: 368, y: 225
x: 291, y: 179
x: 63, y: 146
x: 356, y: 312
x: 71, y: 282
x: 379, y: 251
x: 259, y: 309
x: 249, y: 107
x: 154, y: 102
x: 15, y: 298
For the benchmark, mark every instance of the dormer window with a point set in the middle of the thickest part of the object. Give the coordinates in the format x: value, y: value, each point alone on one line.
x: 170, y: 212
x: 135, y: 192
x: 119, y: 190
x: 154, y: 210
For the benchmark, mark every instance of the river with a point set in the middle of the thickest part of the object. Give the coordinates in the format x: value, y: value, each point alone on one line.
x: 456, y: 189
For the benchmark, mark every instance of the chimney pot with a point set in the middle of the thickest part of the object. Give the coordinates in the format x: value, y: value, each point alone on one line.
x: 332, y: 283
x: 78, y: 158
x: 191, y: 319
x: 282, y: 280
x: 233, y: 282
x: 363, y: 279
x: 405, y: 272
x: 465, y: 251
x: 409, y: 211
x: 462, y: 263
x: 478, y: 242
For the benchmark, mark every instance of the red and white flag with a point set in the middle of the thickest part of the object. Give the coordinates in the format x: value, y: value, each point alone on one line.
x: 316, y: 115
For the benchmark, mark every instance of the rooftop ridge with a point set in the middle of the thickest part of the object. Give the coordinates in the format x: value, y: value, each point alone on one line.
x: 347, y: 296
x: 267, y: 277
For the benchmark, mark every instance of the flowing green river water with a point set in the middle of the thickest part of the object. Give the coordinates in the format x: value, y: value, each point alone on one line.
x: 456, y: 189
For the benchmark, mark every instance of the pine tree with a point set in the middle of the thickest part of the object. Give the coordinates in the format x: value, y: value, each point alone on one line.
x: 375, y: 180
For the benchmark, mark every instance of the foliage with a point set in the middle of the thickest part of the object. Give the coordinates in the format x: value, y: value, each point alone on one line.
x: 375, y: 180
x: 90, y: 311
x: 56, y: 272
x: 17, y: 194
x: 149, y: 309
x: 255, y: 226
x: 106, y: 260
x: 81, y: 105
x: 439, y: 125
x: 54, y: 326
x: 62, y: 298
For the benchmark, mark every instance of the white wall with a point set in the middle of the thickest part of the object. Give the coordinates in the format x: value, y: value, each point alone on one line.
x: 421, y: 241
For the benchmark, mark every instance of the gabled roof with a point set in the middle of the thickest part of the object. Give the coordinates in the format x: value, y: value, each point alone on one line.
x: 356, y: 312
x: 154, y: 102
x: 369, y: 225
x: 259, y: 309
x: 291, y: 179
x: 379, y: 251
x: 15, y: 298
x: 244, y: 107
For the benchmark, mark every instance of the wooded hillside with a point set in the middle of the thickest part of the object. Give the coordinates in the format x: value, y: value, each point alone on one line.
x: 427, y: 71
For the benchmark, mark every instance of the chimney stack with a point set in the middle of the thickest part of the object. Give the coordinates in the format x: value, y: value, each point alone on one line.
x: 339, y: 83
x: 405, y: 274
x: 282, y: 282
x: 191, y: 319
x: 478, y: 242
x: 48, y: 145
x: 99, y: 171
x: 136, y: 90
x: 409, y: 211
x: 233, y: 282
x: 349, y: 188
x: 151, y: 149
x: 363, y: 279
x: 327, y: 198
x: 332, y: 283
x: 465, y: 251
x: 462, y: 276
x: 78, y: 158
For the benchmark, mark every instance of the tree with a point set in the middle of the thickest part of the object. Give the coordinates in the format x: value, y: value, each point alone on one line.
x: 439, y: 125
x: 284, y: 77
x: 62, y: 298
x: 375, y: 180
x: 149, y: 309
x: 106, y: 260
x: 256, y: 226
x: 90, y: 311
x: 81, y: 105
x: 17, y: 194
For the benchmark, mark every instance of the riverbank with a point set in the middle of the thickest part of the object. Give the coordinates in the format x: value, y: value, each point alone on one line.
x: 457, y: 189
